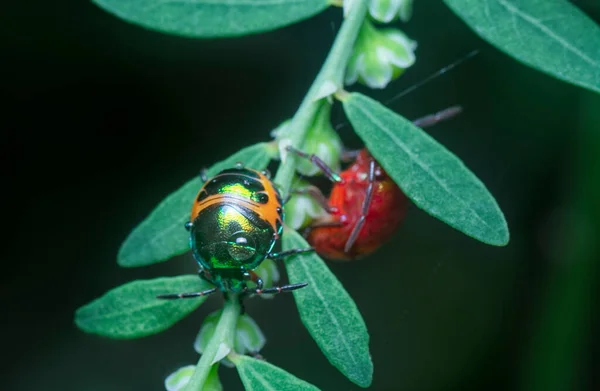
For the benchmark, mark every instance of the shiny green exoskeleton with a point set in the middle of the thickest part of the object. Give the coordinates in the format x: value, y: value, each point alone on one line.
x: 236, y: 219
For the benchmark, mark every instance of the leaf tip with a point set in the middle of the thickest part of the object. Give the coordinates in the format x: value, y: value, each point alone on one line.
x: 500, y: 240
x: 364, y: 377
x: 504, y: 238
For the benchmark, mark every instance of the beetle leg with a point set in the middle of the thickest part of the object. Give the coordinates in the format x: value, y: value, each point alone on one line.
x: 314, y: 159
x: 318, y: 196
x: 250, y: 275
x: 204, y: 275
x: 187, y: 295
x: 365, y: 208
x: 278, y: 289
x: 284, y: 254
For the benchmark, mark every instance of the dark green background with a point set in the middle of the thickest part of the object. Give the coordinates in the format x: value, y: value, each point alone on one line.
x: 103, y: 119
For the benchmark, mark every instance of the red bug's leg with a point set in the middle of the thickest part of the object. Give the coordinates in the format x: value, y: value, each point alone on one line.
x: 318, y: 196
x: 308, y: 229
x: 365, y: 208
x: 432, y: 119
x: 349, y: 155
x: 314, y: 159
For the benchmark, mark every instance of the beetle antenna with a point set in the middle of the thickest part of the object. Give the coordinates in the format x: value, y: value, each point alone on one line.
x: 421, y: 83
x: 433, y: 76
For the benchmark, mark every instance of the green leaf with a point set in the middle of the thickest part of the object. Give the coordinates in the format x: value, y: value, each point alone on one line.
x: 133, y: 311
x: 213, y: 383
x: 162, y: 234
x: 329, y: 313
x: 258, y: 375
x: 430, y: 175
x: 552, y: 36
x: 213, y: 18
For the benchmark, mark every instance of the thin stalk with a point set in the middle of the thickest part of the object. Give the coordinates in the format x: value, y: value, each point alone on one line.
x: 329, y: 80
x: 224, y: 335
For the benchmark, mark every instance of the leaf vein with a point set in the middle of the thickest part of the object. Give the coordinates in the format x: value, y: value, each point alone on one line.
x: 421, y: 164
x: 326, y: 306
x: 536, y: 23
x: 265, y: 383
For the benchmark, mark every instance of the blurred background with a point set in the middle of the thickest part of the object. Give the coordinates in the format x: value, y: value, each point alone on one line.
x: 103, y: 119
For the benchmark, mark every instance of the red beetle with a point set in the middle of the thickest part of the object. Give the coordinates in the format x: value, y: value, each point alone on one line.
x: 365, y: 206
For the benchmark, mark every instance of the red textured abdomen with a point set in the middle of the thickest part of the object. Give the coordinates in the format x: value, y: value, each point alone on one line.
x: 385, y: 214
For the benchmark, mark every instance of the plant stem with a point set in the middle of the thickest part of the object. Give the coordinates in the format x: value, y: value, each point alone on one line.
x: 224, y: 334
x: 329, y: 80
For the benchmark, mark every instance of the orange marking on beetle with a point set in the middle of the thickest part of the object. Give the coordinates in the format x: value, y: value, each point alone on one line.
x: 267, y: 212
x: 219, y: 198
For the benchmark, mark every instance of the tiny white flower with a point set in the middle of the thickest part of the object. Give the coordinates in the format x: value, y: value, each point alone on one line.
x: 180, y: 378
x: 379, y: 56
x: 302, y: 209
x: 323, y: 141
x: 248, y: 337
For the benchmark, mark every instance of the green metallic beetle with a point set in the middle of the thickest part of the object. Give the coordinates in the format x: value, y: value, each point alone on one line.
x: 236, y: 220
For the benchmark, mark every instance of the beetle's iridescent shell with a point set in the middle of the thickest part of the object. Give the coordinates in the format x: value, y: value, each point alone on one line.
x: 236, y: 220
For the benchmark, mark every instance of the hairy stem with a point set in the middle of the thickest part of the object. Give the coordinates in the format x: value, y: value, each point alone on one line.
x: 224, y: 335
x: 329, y: 80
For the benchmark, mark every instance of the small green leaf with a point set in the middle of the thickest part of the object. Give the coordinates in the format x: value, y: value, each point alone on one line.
x: 552, y: 36
x: 213, y: 18
x: 133, y: 311
x: 258, y: 375
x: 213, y: 383
x: 162, y: 234
x: 329, y: 313
x: 430, y: 175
